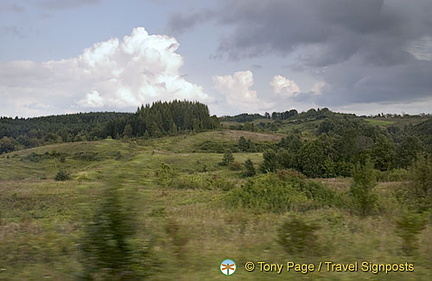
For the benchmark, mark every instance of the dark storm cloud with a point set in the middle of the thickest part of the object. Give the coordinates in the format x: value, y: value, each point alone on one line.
x: 65, y: 4
x: 363, y: 50
x: 347, y: 84
x: 180, y: 22
x: 337, y: 29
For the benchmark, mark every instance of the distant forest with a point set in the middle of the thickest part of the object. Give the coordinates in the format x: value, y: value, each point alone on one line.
x: 324, y: 143
x: 156, y: 120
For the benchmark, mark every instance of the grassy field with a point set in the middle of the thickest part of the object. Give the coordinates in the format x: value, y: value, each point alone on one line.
x: 186, y: 223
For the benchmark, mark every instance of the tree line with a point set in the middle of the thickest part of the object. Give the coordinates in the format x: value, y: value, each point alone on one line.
x: 156, y: 120
x: 340, y: 143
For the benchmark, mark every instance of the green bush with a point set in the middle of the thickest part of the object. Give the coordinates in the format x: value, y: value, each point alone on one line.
x: 109, y: 249
x: 392, y: 175
x: 227, y: 159
x: 269, y: 193
x: 420, y: 175
x: 281, y: 192
x: 189, y: 182
x: 362, y: 189
x: 235, y: 166
x: 62, y: 176
x: 298, y: 237
x: 250, y: 169
x: 407, y: 228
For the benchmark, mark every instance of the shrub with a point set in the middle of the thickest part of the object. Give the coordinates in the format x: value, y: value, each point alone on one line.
x: 281, y: 192
x: 109, y: 250
x: 227, y: 159
x: 269, y: 193
x: 407, y: 228
x: 361, y: 190
x: 250, y: 169
x: 297, y: 236
x: 420, y: 174
x: 62, y: 176
x: 235, y: 166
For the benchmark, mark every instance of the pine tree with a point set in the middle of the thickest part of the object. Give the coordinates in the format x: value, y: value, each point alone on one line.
x: 227, y: 158
x: 250, y: 169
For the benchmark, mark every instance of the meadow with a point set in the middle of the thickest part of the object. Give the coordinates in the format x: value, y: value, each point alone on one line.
x: 187, y: 216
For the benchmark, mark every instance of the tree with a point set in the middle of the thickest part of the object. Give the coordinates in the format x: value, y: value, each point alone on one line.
x: 311, y: 157
x: 421, y: 180
x: 227, y: 158
x: 407, y: 151
x: 271, y: 161
x: 362, y: 189
x: 127, y: 132
x: 7, y: 145
x: 243, y: 144
x: 107, y: 248
x: 408, y: 227
x: 383, y: 153
x: 250, y: 169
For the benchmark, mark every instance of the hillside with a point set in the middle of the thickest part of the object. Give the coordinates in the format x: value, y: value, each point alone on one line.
x: 185, y: 204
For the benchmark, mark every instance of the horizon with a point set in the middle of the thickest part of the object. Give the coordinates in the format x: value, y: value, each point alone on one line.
x: 232, y: 115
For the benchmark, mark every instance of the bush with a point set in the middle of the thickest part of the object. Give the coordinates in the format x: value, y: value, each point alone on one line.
x: 361, y: 190
x: 62, y: 176
x: 269, y: 193
x: 420, y: 174
x: 407, y: 228
x: 250, y: 169
x: 298, y: 237
x: 235, y: 166
x: 227, y: 159
x: 392, y: 175
x: 109, y: 249
x: 189, y: 182
x: 281, y: 192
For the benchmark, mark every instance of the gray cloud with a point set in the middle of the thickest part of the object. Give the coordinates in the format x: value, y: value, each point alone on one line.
x: 347, y: 84
x: 368, y: 51
x: 336, y: 29
x: 180, y: 22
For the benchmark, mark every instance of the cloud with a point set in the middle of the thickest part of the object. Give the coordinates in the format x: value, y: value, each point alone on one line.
x: 284, y: 87
x: 92, y: 99
x: 114, y: 74
x: 338, y: 29
x: 236, y: 90
x: 325, y: 32
x: 180, y: 22
x: 369, y: 51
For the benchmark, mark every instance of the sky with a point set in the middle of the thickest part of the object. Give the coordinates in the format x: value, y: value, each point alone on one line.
x: 236, y: 56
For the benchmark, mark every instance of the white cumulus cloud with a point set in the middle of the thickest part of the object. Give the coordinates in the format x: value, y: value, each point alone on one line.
x: 236, y: 90
x: 284, y: 87
x: 114, y: 74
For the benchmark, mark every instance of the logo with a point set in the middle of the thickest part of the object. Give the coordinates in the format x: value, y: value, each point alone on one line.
x: 228, y: 267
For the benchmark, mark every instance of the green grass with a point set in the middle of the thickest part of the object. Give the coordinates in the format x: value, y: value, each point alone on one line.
x: 379, y: 122
x: 41, y: 220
